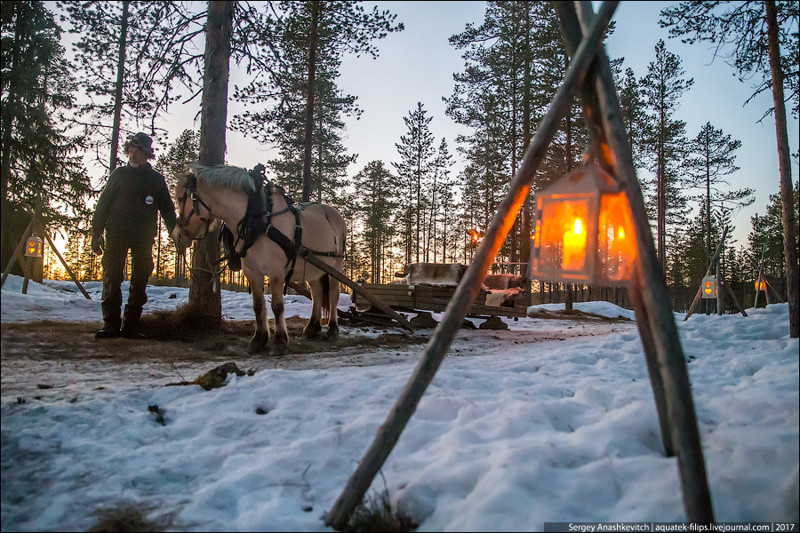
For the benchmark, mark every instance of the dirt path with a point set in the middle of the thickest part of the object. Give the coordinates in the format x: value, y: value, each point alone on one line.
x: 61, y: 360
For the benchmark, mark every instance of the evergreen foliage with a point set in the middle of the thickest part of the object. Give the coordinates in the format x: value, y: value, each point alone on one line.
x: 299, y: 107
x: 376, y: 204
x: 130, y: 57
x: 40, y: 161
x: 739, y: 31
x: 712, y: 156
x: 665, y: 142
x: 415, y: 172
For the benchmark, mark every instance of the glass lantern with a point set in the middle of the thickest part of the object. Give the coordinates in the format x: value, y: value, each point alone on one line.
x: 584, y: 230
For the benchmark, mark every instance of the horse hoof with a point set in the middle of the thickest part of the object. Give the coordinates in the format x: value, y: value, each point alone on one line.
x: 311, y: 332
x: 257, y: 343
x: 331, y: 334
x: 278, y: 349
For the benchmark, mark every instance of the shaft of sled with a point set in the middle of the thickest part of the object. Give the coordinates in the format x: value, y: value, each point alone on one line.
x: 388, y: 311
x: 468, y: 288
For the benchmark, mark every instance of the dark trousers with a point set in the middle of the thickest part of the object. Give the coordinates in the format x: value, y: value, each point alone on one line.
x: 141, y: 249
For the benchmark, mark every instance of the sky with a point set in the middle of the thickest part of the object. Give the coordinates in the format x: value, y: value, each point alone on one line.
x: 417, y: 65
x: 552, y: 420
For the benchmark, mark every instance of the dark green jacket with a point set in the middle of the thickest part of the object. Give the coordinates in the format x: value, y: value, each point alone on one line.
x: 129, y: 203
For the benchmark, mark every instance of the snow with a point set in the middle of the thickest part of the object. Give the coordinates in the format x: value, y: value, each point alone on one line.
x: 551, y: 421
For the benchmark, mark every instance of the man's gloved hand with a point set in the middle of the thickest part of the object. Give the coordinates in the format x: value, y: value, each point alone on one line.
x: 98, y: 244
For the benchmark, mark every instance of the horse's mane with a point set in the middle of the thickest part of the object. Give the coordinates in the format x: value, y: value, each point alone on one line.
x: 228, y: 176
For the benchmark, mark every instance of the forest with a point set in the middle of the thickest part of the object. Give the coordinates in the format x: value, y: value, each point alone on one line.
x: 78, y: 77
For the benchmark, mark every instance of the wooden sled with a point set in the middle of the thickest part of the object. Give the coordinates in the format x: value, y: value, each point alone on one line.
x: 424, y: 299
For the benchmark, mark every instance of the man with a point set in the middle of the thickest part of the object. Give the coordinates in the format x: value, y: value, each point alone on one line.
x: 127, y: 211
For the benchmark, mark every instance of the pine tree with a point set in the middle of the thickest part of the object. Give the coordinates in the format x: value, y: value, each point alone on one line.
x: 303, y: 104
x: 415, y: 169
x: 767, y: 236
x: 666, y: 138
x: 376, y: 201
x: 514, y: 62
x: 39, y: 160
x: 756, y: 32
x: 147, y: 41
x: 631, y: 99
x: 712, y: 156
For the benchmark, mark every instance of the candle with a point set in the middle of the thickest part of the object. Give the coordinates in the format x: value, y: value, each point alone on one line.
x: 574, y: 247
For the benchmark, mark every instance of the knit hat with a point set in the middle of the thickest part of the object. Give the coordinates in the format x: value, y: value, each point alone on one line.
x: 140, y: 140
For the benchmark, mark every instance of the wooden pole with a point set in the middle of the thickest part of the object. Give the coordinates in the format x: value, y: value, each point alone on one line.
x: 655, y: 296
x: 759, y: 280
x: 468, y: 288
x: 66, y: 266
x: 17, y: 253
x: 733, y: 297
x: 656, y: 380
x: 308, y: 256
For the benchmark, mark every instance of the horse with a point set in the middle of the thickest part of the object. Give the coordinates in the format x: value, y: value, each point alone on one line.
x: 266, y: 241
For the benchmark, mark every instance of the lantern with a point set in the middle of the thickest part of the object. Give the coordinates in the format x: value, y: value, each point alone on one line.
x: 34, y: 247
x: 474, y: 235
x: 584, y: 230
x: 761, y: 285
x: 709, y: 287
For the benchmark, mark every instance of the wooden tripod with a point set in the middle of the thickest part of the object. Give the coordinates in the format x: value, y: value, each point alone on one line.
x: 715, y: 265
x: 35, y: 226
x: 590, y: 74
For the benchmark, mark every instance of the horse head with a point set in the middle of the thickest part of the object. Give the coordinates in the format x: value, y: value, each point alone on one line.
x: 194, y: 217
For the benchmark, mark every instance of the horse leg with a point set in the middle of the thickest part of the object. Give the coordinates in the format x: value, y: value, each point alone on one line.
x: 261, y: 336
x: 313, y: 327
x: 333, y: 300
x: 281, y: 334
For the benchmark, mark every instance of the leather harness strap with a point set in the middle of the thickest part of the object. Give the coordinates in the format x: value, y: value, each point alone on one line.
x: 258, y: 220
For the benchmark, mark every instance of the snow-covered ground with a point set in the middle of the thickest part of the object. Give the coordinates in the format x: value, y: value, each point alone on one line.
x: 517, y: 429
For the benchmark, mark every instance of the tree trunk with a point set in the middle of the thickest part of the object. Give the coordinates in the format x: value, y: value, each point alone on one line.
x: 787, y: 196
x: 123, y: 39
x: 313, y: 40
x: 204, y: 293
x: 525, y: 238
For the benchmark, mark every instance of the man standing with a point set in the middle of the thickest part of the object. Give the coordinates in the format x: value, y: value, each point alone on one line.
x: 127, y: 211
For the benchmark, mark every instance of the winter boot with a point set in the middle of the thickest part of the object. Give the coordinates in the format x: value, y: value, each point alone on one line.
x: 109, y: 331
x: 130, y: 323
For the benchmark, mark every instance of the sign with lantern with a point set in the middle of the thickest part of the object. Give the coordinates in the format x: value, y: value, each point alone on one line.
x: 584, y: 230
x: 34, y: 247
x: 709, y: 287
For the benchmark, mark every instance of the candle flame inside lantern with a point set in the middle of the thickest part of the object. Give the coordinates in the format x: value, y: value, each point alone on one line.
x: 574, y: 247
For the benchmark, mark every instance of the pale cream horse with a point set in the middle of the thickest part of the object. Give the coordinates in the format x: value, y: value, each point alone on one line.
x: 221, y: 192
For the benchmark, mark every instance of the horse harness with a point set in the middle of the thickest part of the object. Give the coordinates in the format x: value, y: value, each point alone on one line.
x: 191, y: 192
x: 257, y: 221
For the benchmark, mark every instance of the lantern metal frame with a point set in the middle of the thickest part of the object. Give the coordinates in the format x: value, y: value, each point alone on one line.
x: 34, y: 247
x: 587, y: 192
x: 709, y: 288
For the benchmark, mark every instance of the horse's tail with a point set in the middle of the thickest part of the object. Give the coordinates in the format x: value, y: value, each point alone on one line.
x: 326, y: 299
